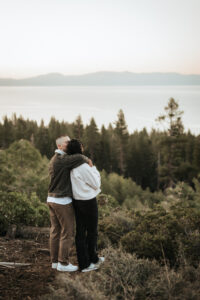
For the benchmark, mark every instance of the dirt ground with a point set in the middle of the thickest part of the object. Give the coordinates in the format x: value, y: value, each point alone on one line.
x: 28, y: 282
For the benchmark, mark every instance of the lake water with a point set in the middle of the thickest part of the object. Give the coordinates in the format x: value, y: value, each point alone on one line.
x: 141, y: 104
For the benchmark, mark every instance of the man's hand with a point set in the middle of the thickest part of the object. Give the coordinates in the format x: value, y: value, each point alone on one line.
x: 90, y: 163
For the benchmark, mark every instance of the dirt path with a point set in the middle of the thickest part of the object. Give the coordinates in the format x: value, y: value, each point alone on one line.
x: 25, y: 282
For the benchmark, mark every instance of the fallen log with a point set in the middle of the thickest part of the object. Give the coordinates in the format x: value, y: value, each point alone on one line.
x: 13, y: 264
x: 44, y: 250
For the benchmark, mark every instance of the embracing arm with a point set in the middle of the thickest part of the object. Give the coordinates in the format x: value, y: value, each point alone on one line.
x: 91, y: 176
x: 73, y: 161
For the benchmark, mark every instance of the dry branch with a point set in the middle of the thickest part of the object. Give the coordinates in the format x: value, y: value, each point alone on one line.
x: 13, y: 265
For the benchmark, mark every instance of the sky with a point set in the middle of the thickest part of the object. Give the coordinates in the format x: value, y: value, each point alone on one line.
x: 83, y: 36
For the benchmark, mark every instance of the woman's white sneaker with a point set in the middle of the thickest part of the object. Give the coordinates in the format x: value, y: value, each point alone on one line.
x: 90, y: 268
x: 67, y: 268
x: 54, y: 265
x: 100, y: 261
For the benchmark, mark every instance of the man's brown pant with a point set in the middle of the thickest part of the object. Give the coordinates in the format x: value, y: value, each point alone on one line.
x: 62, y: 231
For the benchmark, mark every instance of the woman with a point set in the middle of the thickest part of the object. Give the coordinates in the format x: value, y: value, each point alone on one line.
x: 86, y: 183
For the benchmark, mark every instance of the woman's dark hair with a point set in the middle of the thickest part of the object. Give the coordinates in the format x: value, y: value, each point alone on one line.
x: 74, y: 146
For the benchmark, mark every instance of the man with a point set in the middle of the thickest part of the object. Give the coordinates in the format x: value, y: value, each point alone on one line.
x: 60, y: 205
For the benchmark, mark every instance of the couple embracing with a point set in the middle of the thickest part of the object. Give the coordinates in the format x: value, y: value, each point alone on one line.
x: 74, y: 185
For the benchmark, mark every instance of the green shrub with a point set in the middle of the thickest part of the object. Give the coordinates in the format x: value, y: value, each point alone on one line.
x: 124, y: 276
x: 159, y: 234
x: 17, y: 208
x: 189, y: 248
x: 106, y: 204
x: 24, y: 170
x: 115, y: 226
x: 126, y: 191
x: 135, y: 204
x: 183, y: 195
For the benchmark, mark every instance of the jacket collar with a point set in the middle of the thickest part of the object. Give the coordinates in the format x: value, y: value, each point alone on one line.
x: 59, y: 151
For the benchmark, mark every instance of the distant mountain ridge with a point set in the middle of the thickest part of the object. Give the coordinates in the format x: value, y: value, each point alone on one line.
x: 104, y: 78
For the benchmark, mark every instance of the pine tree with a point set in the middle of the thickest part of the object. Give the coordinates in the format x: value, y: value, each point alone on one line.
x: 54, y: 129
x: 42, y: 141
x: 91, y: 141
x: 20, y: 128
x: 196, y: 155
x: 173, y: 118
x: 171, y: 145
x: 105, y: 150
x: 121, y: 134
x: 8, y: 132
x: 78, y: 128
x: 114, y: 157
x: 142, y: 160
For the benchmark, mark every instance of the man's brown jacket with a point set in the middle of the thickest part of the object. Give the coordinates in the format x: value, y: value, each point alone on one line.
x: 59, y: 170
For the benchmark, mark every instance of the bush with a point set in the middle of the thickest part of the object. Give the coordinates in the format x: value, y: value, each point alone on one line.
x: 127, y: 192
x: 124, y: 276
x: 106, y: 204
x: 159, y: 234
x: 115, y: 226
x: 24, y: 170
x: 135, y: 204
x: 189, y: 248
x: 18, y: 209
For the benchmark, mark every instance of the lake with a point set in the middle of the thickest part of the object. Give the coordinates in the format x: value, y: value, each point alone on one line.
x: 141, y: 104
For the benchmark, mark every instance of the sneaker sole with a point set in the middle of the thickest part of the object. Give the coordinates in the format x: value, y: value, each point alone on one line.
x: 84, y: 271
x: 67, y: 270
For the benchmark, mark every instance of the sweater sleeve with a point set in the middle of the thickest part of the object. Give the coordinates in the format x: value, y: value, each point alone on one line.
x: 73, y: 161
x: 91, y: 176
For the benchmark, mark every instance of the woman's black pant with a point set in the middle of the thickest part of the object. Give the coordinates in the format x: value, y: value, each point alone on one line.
x: 86, y: 214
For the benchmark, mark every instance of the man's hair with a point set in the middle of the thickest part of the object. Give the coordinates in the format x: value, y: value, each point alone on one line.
x: 61, y: 139
x: 74, y: 147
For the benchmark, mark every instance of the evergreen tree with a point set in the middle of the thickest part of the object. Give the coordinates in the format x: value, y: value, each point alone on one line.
x: 142, y: 160
x: 173, y: 118
x: 190, y: 142
x: 105, y: 150
x: 171, y: 145
x: 121, y: 134
x: 42, y: 141
x: 8, y: 133
x: 78, y: 128
x: 196, y: 155
x: 1, y: 135
x: 91, y: 141
x: 114, y: 158
x: 54, y: 129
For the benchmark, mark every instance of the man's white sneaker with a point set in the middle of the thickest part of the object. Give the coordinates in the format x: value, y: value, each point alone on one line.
x: 67, y: 268
x: 90, y: 268
x: 101, y: 259
x: 54, y: 265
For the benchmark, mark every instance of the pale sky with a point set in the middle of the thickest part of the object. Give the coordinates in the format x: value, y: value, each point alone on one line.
x: 83, y: 36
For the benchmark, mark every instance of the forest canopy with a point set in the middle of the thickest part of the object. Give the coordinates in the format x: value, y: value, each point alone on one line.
x: 154, y: 160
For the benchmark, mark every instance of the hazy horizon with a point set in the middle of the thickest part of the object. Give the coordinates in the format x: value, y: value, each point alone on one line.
x: 141, y: 105
x: 79, y: 37
x: 95, y: 72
